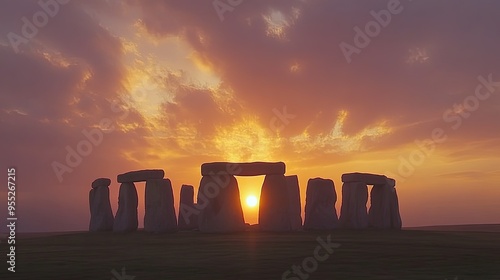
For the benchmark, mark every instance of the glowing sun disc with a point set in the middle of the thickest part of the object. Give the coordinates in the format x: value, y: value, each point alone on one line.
x: 251, y: 201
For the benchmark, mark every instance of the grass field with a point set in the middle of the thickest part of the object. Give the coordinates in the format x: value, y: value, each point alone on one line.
x: 407, y: 254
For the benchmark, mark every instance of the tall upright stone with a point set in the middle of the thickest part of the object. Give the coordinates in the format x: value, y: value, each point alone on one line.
x: 126, y: 217
x: 384, y: 209
x: 320, y: 212
x: 380, y: 209
x: 273, y: 205
x: 101, y: 182
x: 160, y: 212
x: 353, y: 213
x: 294, y: 207
x: 188, y: 214
x: 219, y: 201
x: 101, y: 214
x: 396, y: 222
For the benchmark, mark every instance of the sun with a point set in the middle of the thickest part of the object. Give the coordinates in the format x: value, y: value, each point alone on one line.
x: 251, y: 201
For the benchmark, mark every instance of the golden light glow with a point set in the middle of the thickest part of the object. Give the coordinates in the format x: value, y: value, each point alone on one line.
x: 252, y: 201
x: 201, y: 63
x: 336, y: 140
x: 246, y: 141
x: 277, y: 22
x: 56, y: 58
x: 146, y: 89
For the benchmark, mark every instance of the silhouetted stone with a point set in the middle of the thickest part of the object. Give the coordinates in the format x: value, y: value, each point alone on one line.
x: 101, y: 215
x: 188, y: 216
x: 384, y: 209
x: 396, y: 222
x: 243, y: 169
x: 126, y: 216
x: 353, y: 212
x: 160, y: 211
x: 273, y: 205
x: 294, y: 208
x: 219, y: 202
x: 320, y: 212
x: 140, y: 176
x: 384, y: 212
x: 380, y: 210
x: 367, y: 178
x: 101, y: 182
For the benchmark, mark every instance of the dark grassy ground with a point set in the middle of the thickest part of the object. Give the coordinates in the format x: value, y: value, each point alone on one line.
x: 405, y: 254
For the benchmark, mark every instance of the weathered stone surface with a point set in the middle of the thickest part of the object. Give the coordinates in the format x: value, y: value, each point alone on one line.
x: 380, y: 210
x: 353, y: 212
x: 219, y: 204
x: 160, y: 211
x: 384, y: 209
x: 140, y: 176
x: 320, y: 212
x: 294, y: 207
x: 101, y: 182
x: 243, y: 169
x: 369, y: 179
x: 126, y: 216
x: 188, y: 217
x: 396, y: 222
x: 101, y: 215
x: 273, y: 205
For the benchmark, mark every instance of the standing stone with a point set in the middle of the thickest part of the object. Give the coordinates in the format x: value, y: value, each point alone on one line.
x: 320, y: 212
x: 396, y: 222
x: 219, y: 202
x: 101, y: 215
x: 380, y: 210
x: 160, y: 211
x: 353, y: 212
x: 188, y: 216
x: 105, y: 182
x: 294, y: 207
x: 273, y: 205
x: 126, y: 216
x: 384, y: 209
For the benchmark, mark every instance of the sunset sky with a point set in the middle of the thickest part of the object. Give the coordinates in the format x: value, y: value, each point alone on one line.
x: 172, y: 84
